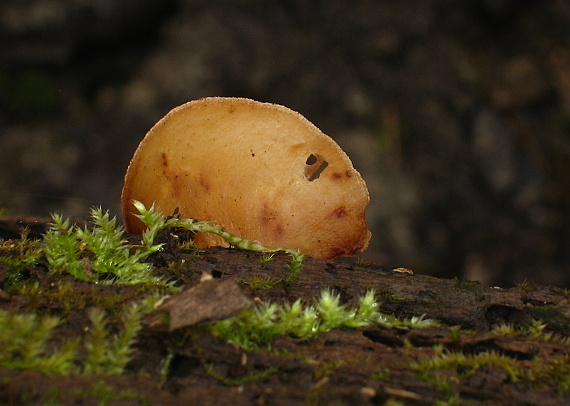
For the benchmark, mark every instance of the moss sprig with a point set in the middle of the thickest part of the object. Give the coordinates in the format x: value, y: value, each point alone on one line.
x: 108, y: 353
x: 296, y: 264
x: 156, y: 222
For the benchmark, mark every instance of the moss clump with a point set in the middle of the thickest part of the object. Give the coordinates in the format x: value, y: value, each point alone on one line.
x: 255, y: 328
x: 444, y: 368
x: 467, y: 364
x: 29, y: 341
x: 554, y: 318
x: 19, y: 256
x: 97, y: 254
x: 536, y: 330
x: 66, y: 297
x: 261, y: 282
x: 100, y: 252
x: 106, y: 353
x: 24, y: 344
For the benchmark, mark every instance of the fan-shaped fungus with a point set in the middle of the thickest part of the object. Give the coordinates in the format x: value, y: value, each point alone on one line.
x: 261, y: 170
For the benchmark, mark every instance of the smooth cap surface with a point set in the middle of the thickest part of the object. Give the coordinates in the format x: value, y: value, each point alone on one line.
x: 261, y: 170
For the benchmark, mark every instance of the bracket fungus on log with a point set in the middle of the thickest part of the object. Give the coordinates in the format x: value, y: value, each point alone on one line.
x: 261, y: 170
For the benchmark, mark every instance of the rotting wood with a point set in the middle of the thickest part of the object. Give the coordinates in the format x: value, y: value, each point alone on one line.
x: 364, y: 366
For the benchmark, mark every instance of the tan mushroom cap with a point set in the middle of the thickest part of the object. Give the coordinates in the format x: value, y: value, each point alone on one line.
x: 261, y: 170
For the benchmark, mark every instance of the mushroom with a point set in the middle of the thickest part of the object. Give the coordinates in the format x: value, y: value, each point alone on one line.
x: 261, y: 170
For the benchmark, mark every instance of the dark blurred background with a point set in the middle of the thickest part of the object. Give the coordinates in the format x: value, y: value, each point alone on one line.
x: 456, y: 112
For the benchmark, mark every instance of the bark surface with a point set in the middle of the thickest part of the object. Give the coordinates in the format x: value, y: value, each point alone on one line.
x: 367, y: 366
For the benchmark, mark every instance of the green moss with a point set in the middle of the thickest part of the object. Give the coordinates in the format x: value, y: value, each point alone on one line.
x: 536, y: 330
x: 327, y: 368
x: 25, y: 344
x: 97, y: 254
x: 552, y: 316
x: 390, y: 297
x: 504, y: 329
x: 254, y: 328
x: 156, y: 222
x: 296, y: 264
x: 165, y: 366
x: 554, y: 373
x: 467, y: 364
x: 100, y: 253
x: 524, y: 285
x: 266, y: 258
x: 382, y: 374
x: 442, y: 383
x: 107, y: 353
x: 445, y: 367
x: 313, y: 397
x: 261, y: 282
x: 453, y: 400
x: 455, y: 333
x: 361, y: 262
x: 52, y: 397
x: 65, y: 297
x: 19, y: 255
x: 28, y: 341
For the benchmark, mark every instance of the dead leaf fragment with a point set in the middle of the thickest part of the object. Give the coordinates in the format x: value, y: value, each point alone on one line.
x: 206, y: 302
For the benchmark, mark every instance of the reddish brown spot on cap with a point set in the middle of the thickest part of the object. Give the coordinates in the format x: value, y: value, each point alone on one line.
x: 204, y: 184
x: 339, y: 212
x: 269, y: 219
